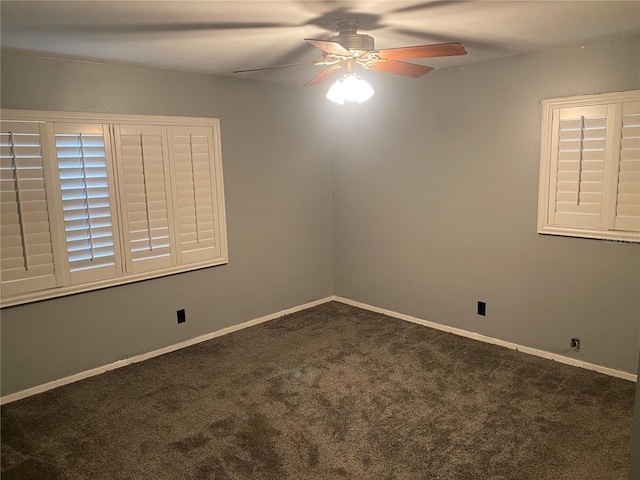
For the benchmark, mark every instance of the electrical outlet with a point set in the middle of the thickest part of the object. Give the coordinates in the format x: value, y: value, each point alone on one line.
x: 182, y: 316
x: 575, y: 344
x: 482, y: 308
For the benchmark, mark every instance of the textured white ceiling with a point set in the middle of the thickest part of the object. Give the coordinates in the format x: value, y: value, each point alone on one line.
x: 218, y: 37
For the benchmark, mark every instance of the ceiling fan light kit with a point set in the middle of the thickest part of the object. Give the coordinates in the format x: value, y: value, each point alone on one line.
x: 348, y: 50
x: 350, y: 88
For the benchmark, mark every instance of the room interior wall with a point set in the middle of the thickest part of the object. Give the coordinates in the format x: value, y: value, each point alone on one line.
x: 634, y: 468
x: 422, y: 201
x: 435, y: 190
x: 276, y: 160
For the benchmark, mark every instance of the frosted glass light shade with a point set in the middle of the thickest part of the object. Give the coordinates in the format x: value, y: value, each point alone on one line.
x: 336, y: 92
x: 350, y: 88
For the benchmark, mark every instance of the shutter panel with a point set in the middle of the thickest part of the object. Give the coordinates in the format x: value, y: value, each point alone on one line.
x: 195, y: 193
x: 144, y: 182
x: 628, y: 198
x: 578, y: 167
x: 84, y: 172
x: 25, y: 239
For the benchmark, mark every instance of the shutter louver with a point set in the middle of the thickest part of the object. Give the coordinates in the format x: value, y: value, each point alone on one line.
x: 85, y: 188
x: 144, y: 179
x: 25, y: 239
x: 194, y: 189
x: 628, y: 197
x: 581, y: 140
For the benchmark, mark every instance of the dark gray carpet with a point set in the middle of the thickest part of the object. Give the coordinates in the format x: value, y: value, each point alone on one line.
x: 332, y: 392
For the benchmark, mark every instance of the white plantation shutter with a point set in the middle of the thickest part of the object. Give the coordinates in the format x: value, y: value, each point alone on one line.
x: 144, y: 183
x: 87, y: 198
x: 579, y: 148
x: 627, y: 215
x: 590, y: 167
x: 194, y: 191
x: 26, y: 262
x: 94, y: 200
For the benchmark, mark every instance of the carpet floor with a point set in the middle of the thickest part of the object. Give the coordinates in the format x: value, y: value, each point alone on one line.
x: 332, y: 392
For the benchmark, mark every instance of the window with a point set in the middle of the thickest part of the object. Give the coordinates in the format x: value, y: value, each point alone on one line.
x: 90, y: 200
x: 590, y: 167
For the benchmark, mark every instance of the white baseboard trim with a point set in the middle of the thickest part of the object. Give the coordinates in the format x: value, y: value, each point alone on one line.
x: 161, y: 351
x: 218, y: 333
x: 495, y: 341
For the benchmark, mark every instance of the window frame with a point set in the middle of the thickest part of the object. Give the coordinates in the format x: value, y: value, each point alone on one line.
x: 47, y: 119
x: 613, y: 101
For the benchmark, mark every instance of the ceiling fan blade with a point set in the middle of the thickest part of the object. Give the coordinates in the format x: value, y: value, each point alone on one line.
x: 422, y: 51
x: 401, y: 68
x: 468, y: 42
x: 323, y: 76
x: 329, y: 47
x: 424, y: 6
x: 272, y: 67
x: 139, y: 29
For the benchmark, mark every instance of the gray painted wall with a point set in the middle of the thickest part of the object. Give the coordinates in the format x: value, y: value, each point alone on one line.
x: 435, y: 188
x: 276, y: 159
x: 634, y: 470
x: 422, y: 201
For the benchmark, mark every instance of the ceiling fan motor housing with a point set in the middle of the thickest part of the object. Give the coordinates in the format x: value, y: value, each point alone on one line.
x: 349, y: 38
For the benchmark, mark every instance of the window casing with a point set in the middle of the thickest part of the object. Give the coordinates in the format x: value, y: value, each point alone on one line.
x: 91, y: 200
x: 590, y: 167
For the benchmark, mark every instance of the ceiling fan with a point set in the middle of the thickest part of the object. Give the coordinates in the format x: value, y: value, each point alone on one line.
x: 344, y: 52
